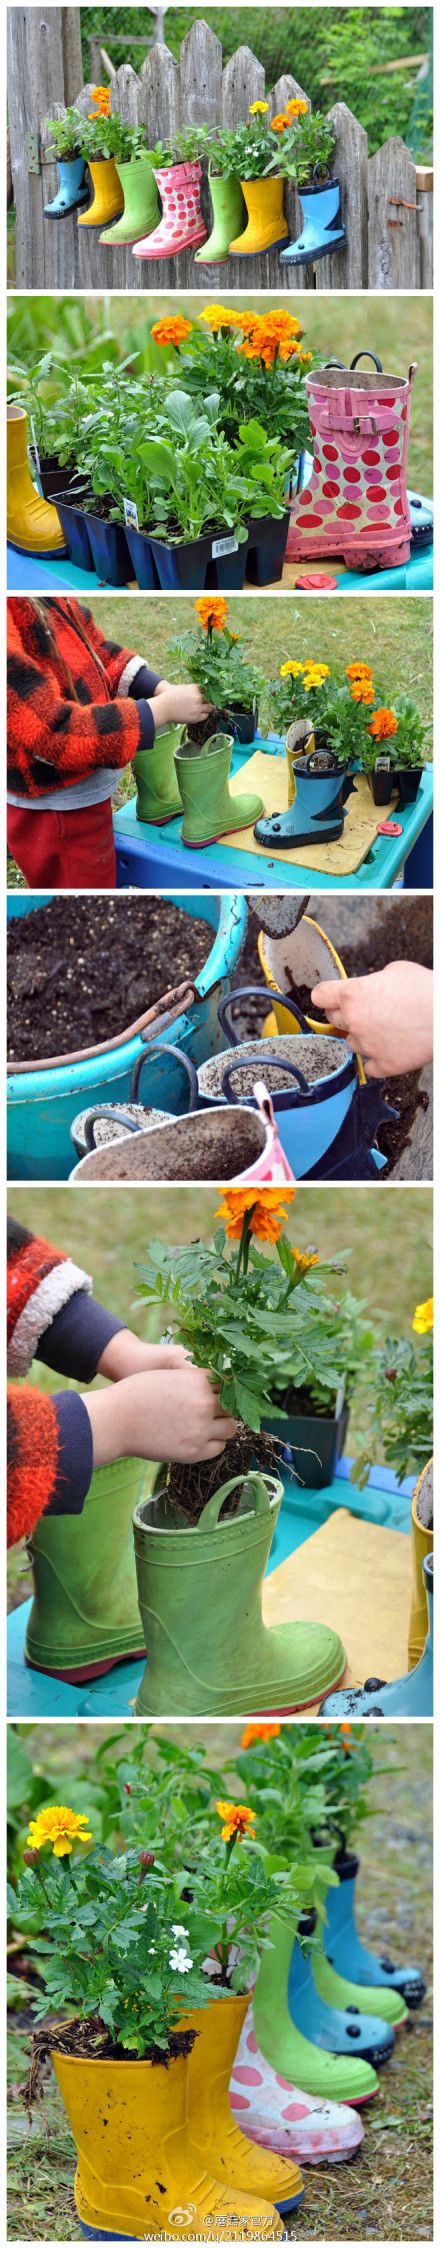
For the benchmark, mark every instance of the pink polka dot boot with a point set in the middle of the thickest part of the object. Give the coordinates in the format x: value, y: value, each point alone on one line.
x: 356, y: 503
x: 181, y: 226
x: 274, y: 2114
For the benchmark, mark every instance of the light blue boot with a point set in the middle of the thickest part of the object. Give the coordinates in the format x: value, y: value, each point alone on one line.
x: 72, y: 191
x: 323, y: 229
x: 410, y: 1696
x: 316, y: 815
x: 336, y: 2030
x: 345, y: 1950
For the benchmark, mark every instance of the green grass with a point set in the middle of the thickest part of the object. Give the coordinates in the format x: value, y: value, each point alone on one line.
x: 386, y: 2193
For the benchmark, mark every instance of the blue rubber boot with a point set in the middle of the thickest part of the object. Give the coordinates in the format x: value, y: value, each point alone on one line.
x: 323, y: 229
x: 316, y: 815
x: 344, y: 1947
x: 410, y: 1696
x: 72, y: 191
x: 366, y: 2037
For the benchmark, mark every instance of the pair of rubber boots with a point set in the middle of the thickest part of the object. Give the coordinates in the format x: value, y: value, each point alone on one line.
x: 33, y: 526
x: 411, y: 1695
x: 356, y: 502
x: 176, y: 775
x: 317, y: 787
x: 172, y: 2131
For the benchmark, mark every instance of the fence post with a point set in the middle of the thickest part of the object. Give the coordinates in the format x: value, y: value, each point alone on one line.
x: 393, y: 236
x: 348, y: 269
x: 243, y: 83
x: 120, y: 271
x: 44, y: 69
x: 425, y: 201
x: 200, y: 97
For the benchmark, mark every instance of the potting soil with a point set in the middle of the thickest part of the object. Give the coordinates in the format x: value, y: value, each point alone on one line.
x: 189, y: 1488
x: 315, y: 1057
x: 149, y: 1156
x: 80, y: 970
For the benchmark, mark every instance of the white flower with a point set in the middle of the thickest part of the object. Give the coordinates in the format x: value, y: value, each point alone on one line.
x: 177, y: 1929
x: 180, y: 1961
x: 151, y: 1947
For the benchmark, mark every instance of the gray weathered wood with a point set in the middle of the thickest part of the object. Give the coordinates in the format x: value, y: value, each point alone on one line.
x: 243, y: 83
x: 348, y: 269
x: 200, y: 74
x: 417, y: 1158
x: 393, y: 237
x: 425, y: 219
x: 44, y: 68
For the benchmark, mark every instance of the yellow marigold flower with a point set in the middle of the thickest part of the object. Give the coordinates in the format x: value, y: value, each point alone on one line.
x: 212, y: 610
x: 304, y: 1258
x: 217, y: 316
x: 268, y: 1211
x: 291, y: 670
x: 258, y: 108
x: 171, y: 330
x: 238, y: 1819
x: 59, y: 1826
x: 424, y: 1317
x: 258, y: 1733
x: 306, y: 358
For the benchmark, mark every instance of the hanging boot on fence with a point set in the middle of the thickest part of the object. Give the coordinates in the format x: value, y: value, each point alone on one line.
x: 266, y: 225
x: 275, y: 2113
x: 181, y: 226
x: 410, y: 1696
x: 344, y: 1947
x: 209, y: 809
x: 158, y: 796
x: 84, y: 1615
x: 215, y: 2131
x: 108, y: 199
x: 323, y: 229
x: 356, y: 502
x: 33, y: 526
x: 228, y: 215
x: 73, y: 189
x: 141, y: 204
x: 296, y: 2058
x: 332, y: 2028
x: 316, y: 813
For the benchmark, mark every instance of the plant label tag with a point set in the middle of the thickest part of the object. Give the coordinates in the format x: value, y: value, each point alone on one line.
x: 131, y: 515
x: 339, y: 1399
x: 35, y: 446
x: 223, y: 546
x: 383, y: 764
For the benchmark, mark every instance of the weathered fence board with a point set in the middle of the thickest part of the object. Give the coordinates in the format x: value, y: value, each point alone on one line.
x: 425, y: 202
x: 388, y: 214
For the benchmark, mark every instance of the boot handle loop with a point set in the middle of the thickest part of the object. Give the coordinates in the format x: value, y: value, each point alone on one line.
x: 377, y: 363
x: 177, y: 1054
x: 261, y: 1489
x: 247, y: 1062
x: 103, y: 1115
x: 255, y: 991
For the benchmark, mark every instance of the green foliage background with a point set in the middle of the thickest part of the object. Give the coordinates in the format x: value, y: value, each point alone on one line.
x: 331, y: 52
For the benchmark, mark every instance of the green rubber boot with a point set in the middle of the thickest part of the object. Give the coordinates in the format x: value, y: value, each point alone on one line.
x: 386, y: 2005
x: 157, y: 788
x: 209, y: 810
x: 84, y: 1615
x: 141, y: 211
x: 229, y: 216
x: 327, y: 2076
x: 200, y: 1598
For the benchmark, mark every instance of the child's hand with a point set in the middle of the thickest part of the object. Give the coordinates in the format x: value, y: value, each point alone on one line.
x: 182, y: 705
x: 126, y: 1354
x: 161, y: 1416
x: 387, y: 1017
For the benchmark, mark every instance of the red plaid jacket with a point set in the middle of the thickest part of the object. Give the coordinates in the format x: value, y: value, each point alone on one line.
x: 40, y: 1282
x: 70, y: 709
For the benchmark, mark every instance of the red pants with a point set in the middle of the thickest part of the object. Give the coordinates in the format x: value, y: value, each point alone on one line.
x: 68, y: 850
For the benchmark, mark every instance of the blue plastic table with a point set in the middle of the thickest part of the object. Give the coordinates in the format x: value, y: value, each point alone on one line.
x: 154, y: 858
x: 32, y: 1695
x: 26, y: 574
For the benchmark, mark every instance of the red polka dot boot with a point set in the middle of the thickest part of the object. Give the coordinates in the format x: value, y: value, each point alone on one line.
x: 356, y: 503
x: 181, y: 226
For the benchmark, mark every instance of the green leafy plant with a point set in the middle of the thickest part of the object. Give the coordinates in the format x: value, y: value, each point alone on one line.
x: 342, y: 710
x: 64, y: 133
x: 306, y: 149
x: 213, y: 657
x: 246, y: 148
x: 101, y: 137
x: 308, y: 1788
x: 258, y: 365
x: 400, y: 1398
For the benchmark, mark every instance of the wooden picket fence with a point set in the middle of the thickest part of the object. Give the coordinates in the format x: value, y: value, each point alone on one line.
x: 386, y: 199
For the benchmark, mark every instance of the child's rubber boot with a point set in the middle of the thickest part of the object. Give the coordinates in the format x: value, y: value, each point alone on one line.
x: 84, y: 1615
x: 141, y: 204
x: 344, y: 1946
x: 181, y: 226
x: 274, y: 2113
x: 138, y: 2175
x: 73, y: 190
x: 214, y: 2130
x: 338, y: 1991
x: 228, y: 216
x: 33, y: 526
x: 108, y: 198
x: 200, y: 1596
x: 356, y: 502
x: 316, y: 814
x: 209, y: 810
x: 410, y: 1696
x: 267, y: 226
x: 322, y: 230
x: 158, y: 797
x: 421, y: 1548
x: 365, y: 2038
x: 294, y: 2056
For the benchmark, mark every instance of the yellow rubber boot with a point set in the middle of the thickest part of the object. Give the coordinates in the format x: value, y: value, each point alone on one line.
x: 266, y: 225
x: 138, y: 2175
x: 108, y: 195
x: 33, y: 526
x: 421, y: 1544
x: 234, y: 2160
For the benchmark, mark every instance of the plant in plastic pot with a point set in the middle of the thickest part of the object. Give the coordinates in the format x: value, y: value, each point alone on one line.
x: 398, y: 750
x: 212, y: 656
x: 63, y: 142
x: 256, y: 362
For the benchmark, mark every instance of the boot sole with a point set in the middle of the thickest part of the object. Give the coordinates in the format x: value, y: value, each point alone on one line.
x: 86, y: 1672
x: 263, y: 253
x: 294, y: 842
x: 154, y: 819
x: 40, y: 554
x: 95, y: 224
x: 233, y: 1706
x: 176, y: 249
x: 387, y: 558
x: 311, y: 257
x: 67, y: 214
x: 219, y: 838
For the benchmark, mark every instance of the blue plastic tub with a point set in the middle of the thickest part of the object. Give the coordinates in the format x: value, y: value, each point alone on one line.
x: 42, y: 1102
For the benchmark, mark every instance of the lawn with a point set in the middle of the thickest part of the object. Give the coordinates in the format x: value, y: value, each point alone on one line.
x: 386, y: 2193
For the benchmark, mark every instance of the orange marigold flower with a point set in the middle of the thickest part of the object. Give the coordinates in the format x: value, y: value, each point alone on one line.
x: 304, y: 1258
x: 358, y: 671
x: 212, y: 610
x: 278, y: 123
x: 296, y: 108
x: 268, y: 1211
x: 258, y: 1733
x: 238, y: 1819
x: 171, y: 330
x: 282, y: 323
x: 362, y: 691
x: 382, y: 725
